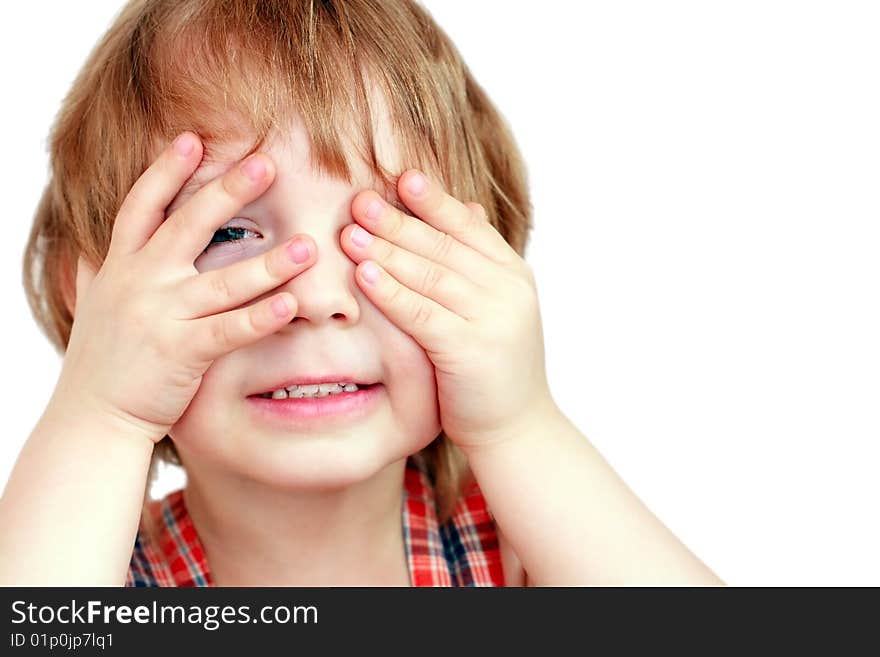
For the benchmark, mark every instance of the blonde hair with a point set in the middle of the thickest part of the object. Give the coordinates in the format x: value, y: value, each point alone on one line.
x: 165, y: 66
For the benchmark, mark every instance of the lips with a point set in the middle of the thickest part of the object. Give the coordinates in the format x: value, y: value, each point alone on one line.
x: 308, y: 414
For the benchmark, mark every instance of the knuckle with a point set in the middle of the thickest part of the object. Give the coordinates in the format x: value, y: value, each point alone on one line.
x: 220, y: 288
x: 431, y: 279
x: 253, y: 317
x: 442, y: 247
x: 394, y: 295
x: 224, y: 333
x: 421, y: 314
x: 386, y: 253
x: 395, y: 228
x: 220, y: 337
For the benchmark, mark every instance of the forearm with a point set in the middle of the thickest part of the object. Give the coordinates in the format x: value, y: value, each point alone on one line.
x: 570, y: 518
x: 70, y: 510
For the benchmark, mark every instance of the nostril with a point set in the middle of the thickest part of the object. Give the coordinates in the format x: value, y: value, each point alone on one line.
x: 338, y: 316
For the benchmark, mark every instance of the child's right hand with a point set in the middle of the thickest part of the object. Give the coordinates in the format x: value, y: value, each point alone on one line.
x: 148, y: 325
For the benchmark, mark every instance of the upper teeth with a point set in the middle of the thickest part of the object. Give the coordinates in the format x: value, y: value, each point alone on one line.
x: 312, y: 390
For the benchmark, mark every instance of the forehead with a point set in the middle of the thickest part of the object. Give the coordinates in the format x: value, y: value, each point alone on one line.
x: 291, y: 151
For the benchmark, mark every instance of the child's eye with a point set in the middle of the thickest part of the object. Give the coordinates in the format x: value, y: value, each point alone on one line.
x: 229, y: 234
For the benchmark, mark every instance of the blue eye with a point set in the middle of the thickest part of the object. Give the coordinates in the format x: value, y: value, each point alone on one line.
x: 236, y: 232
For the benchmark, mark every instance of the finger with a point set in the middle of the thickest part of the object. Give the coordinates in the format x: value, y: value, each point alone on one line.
x: 221, y: 289
x: 430, y: 279
x: 217, y: 335
x: 432, y: 325
x: 183, y: 236
x: 428, y: 201
x: 85, y: 274
x: 382, y: 219
x: 143, y: 209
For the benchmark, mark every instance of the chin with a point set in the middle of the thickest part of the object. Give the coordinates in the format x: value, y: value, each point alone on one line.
x: 317, y: 464
x: 322, y: 470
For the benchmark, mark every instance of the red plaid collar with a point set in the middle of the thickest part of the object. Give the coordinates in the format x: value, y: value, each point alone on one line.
x: 461, y: 552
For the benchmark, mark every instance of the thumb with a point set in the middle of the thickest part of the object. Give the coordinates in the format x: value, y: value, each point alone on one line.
x: 84, y: 277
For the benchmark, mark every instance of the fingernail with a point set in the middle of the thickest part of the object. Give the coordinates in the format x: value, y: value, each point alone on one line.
x: 184, y: 145
x: 254, y: 168
x: 298, y: 251
x: 360, y: 237
x: 416, y: 184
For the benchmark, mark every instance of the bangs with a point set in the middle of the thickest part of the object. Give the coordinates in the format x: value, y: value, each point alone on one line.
x: 241, y: 71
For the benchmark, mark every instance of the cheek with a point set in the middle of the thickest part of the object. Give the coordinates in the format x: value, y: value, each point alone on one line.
x: 205, y: 423
x: 413, y: 364
x: 412, y: 389
x: 402, y: 355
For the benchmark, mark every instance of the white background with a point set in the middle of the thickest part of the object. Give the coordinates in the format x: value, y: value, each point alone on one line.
x: 705, y: 184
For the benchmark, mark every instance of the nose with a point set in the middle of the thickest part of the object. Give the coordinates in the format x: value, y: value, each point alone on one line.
x: 326, y: 291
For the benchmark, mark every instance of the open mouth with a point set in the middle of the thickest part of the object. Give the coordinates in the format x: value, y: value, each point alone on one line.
x: 316, y: 391
x: 304, y: 410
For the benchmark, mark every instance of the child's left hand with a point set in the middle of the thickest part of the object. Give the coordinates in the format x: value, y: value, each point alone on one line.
x: 456, y: 286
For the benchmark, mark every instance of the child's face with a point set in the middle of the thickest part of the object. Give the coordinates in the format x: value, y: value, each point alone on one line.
x: 336, y: 330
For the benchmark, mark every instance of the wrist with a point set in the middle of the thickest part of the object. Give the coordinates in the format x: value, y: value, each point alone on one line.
x: 80, y: 413
x: 532, y: 424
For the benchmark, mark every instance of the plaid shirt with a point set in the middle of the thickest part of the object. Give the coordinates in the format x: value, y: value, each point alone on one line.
x: 462, y: 552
